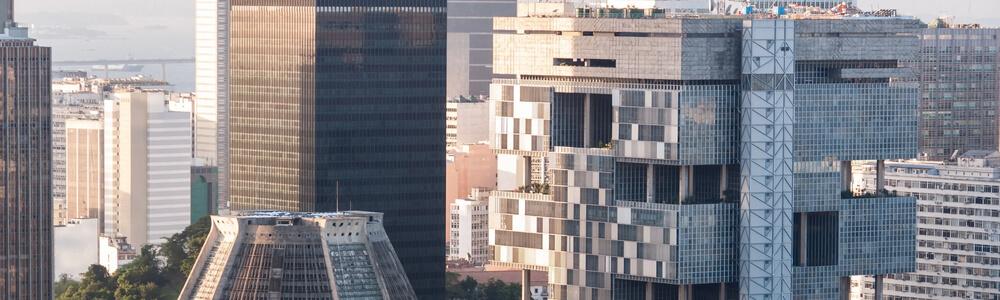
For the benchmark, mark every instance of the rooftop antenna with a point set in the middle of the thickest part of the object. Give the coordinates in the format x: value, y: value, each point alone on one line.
x: 338, y: 195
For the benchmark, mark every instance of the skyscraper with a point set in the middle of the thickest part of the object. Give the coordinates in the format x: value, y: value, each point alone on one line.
x: 699, y: 157
x: 212, y: 87
x: 147, y: 167
x: 280, y: 255
x: 339, y: 104
x: 26, y: 207
x: 959, y: 67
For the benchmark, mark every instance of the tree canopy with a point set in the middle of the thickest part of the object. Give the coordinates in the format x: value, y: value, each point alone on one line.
x: 156, y: 273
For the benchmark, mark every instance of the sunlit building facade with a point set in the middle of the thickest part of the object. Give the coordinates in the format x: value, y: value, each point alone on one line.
x: 699, y: 157
x: 340, y: 105
x: 26, y: 217
x: 147, y: 167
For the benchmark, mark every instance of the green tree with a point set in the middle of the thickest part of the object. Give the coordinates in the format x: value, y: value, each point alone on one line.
x: 96, y: 284
x: 65, y: 286
x: 140, y: 279
x: 498, y: 290
x: 179, y: 253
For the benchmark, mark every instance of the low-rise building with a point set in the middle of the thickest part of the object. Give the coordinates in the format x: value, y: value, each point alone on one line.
x: 114, y: 252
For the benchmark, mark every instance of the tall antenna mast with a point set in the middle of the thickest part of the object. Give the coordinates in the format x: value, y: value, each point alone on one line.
x: 338, y: 195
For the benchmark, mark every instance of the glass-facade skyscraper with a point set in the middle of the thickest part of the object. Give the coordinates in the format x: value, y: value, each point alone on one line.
x: 337, y: 105
x: 26, y: 204
x: 702, y: 157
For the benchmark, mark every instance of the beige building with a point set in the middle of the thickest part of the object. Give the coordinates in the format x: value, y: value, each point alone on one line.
x: 84, y: 140
x: 147, y: 163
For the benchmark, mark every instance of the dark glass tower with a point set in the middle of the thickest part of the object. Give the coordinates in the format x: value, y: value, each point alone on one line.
x: 339, y: 104
x: 25, y: 159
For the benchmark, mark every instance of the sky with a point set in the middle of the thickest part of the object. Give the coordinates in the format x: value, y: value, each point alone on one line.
x: 106, y: 29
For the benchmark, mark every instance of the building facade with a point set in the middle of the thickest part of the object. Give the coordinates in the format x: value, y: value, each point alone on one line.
x: 263, y: 255
x: 70, y: 100
x: 469, y: 229
x: 211, y: 107
x: 958, y: 226
x: 114, y: 252
x: 84, y: 165
x: 699, y: 157
x: 147, y: 167
x: 470, y: 44
x: 465, y: 122
x: 26, y: 217
x: 959, y: 71
x: 338, y: 105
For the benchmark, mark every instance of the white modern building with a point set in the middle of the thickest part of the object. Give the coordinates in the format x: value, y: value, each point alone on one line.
x: 958, y: 227
x: 147, y: 177
x: 114, y: 252
x: 470, y: 229
x: 212, y: 87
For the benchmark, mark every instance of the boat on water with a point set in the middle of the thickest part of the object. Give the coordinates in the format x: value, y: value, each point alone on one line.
x: 118, y: 68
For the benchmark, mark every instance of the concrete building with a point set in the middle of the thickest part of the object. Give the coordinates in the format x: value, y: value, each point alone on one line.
x: 211, y: 73
x: 343, y: 255
x: 958, y: 226
x: 26, y: 214
x: 70, y: 100
x: 960, y: 99
x: 465, y: 122
x: 114, y: 252
x: 357, y: 118
x: 84, y: 152
x: 470, y: 167
x: 699, y: 157
x: 211, y: 133
x: 469, y: 228
x: 470, y: 44
x: 77, y: 244
x: 147, y: 167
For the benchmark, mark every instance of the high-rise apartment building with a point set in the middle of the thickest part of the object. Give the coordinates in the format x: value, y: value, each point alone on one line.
x: 84, y: 165
x: 147, y: 167
x: 279, y: 255
x: 958, y: 67
x: 70, y: 100
x: 26, y: 206
x: 699, y: 157
x: 338, y: 105
x: 958, y: 226
x: 211, y: 134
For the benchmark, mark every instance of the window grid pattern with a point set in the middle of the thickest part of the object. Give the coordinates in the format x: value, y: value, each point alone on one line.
x: 709, y: 125
x: 855, y: 121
